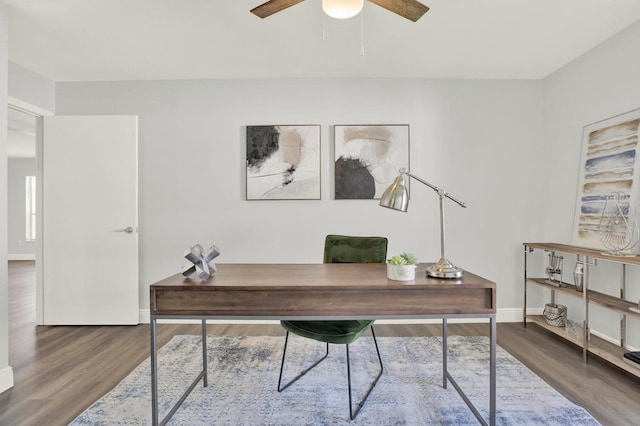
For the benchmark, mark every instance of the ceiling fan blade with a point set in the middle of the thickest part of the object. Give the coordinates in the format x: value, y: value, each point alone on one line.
x: 410, y: 9
x: 273, y: 6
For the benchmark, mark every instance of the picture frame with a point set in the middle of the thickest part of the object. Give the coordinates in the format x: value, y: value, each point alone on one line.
x: 283, y: 162
x: 367, y: 158
x: 609, y: 173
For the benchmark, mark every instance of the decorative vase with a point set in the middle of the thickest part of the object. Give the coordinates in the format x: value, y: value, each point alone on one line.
x: 578, y: 276
x: 401, y: 272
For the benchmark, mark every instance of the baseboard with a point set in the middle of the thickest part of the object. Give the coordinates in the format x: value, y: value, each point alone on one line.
x: 605, y: 337
x: 503, y: 315
x: 532, y: 311
x: 612, y: 340
x: 6, y: 378
x: 21, y: 256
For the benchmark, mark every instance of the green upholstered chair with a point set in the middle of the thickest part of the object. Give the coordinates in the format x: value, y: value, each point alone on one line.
x: 340, y: 249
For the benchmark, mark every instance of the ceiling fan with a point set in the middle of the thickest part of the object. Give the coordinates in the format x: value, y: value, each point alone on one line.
x: 410, y: 9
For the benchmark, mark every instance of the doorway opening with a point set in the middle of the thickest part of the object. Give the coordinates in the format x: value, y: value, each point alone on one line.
x: 22, y: 215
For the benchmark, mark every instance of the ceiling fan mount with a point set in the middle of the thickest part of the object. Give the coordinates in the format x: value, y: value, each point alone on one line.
x: 409, y: 9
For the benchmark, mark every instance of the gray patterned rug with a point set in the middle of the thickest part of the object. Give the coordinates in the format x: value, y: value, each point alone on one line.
x: 243, y: 374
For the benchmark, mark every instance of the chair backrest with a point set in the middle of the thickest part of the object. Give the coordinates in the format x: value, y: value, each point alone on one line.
x: 348, y: 249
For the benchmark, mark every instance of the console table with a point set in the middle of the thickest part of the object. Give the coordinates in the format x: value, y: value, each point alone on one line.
x: 589, y: 343
x: 320, y: 292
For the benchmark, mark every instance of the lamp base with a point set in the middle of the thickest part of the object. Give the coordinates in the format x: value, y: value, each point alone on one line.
x: 444, y: 269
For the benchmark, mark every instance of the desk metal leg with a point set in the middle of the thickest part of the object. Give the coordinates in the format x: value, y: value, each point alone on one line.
x: 492, y: 373
x: 445, y: 372
x: 205, y: 363
x: 154, y: 375
x: 492, y: 370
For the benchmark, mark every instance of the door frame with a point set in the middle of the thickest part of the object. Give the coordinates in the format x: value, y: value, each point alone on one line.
x: 38, y: 113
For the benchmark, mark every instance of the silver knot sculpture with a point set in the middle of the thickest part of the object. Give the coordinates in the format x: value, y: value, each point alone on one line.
x: 201, y: 261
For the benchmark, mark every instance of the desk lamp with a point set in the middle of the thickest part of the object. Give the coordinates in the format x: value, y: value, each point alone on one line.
x: 396, y: 197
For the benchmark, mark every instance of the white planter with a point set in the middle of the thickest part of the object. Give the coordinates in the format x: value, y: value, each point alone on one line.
x: 401, y: 272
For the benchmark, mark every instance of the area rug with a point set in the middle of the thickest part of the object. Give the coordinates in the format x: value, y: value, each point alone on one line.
x: 243, y: 376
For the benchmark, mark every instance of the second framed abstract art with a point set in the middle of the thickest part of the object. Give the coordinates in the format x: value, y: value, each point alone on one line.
x: 367, y: 159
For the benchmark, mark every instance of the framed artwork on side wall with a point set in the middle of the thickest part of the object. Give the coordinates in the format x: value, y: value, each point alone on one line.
x: 608, y: 183
x: 283, y: 162
x: 367, y: 159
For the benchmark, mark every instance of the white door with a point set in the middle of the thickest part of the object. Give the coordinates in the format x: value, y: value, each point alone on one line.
x: 89, y: 220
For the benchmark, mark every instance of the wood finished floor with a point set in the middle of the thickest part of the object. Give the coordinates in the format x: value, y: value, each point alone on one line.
x: 60, y: 371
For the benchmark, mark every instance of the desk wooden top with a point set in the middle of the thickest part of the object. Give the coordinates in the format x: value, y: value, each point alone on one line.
x: 319, y: 291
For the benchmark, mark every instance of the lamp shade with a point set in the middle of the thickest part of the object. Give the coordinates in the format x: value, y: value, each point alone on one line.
x: 396, y: 196
x: 342, y: 9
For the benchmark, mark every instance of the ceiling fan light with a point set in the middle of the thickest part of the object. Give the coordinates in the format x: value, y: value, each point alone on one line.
x: 342, y: 9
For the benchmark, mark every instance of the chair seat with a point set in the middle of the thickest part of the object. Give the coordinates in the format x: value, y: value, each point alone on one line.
x: 337, y: 332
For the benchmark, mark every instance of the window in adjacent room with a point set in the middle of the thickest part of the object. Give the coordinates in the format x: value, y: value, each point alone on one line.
x: 31, y: 208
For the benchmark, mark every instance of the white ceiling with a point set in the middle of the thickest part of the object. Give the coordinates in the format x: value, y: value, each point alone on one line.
x: 93, y: 40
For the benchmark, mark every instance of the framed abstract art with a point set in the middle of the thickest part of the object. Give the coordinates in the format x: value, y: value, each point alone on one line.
x: 609, y: 177
x: 283, y: 162
x: 367, y: 159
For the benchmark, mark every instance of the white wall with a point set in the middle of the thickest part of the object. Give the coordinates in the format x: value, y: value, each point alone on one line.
x: 18, y: 169
x: 602, y: 83
x: 480, y: 140
x: 31, y: 88
x: 510, y: 149
x: 6, y: 373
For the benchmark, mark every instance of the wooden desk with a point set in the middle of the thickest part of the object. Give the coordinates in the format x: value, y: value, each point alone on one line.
x: 317, y: 292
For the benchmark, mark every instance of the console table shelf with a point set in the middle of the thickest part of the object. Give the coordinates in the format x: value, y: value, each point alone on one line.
x: 583, y: 251
x: 560, y: 331
x: 606, y: 301
x: 569, y: 289
x: 614, y: 303
x: 589, y: 343
x: 597, y: 346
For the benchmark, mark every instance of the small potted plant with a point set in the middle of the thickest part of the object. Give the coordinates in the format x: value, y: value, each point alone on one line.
x: 402, y: 267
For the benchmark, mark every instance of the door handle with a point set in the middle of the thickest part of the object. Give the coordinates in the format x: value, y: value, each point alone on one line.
x: 128, y: 230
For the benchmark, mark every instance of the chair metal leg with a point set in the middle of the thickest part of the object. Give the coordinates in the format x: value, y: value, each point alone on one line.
x: 353, y: 414
x: 284, y: 353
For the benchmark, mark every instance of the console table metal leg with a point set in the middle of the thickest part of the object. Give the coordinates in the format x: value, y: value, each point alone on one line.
x: 585, y: 307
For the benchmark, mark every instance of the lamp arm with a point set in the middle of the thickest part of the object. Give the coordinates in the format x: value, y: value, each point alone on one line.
x: 440, y: 191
